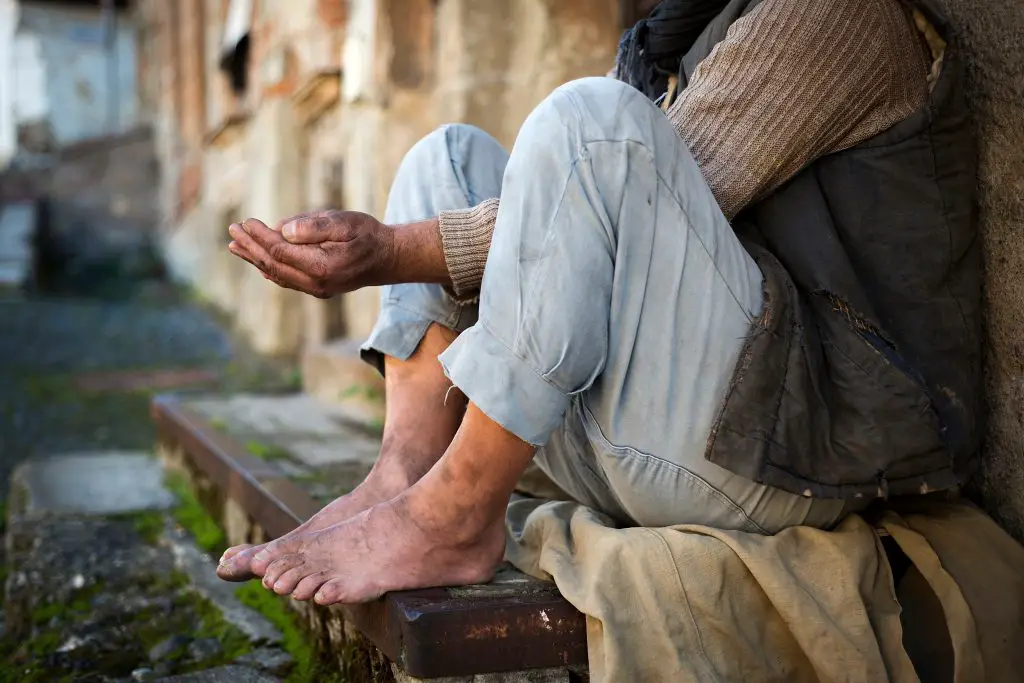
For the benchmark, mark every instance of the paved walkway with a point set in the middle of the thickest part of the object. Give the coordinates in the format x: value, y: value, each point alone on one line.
x: 102, y: 584
x: 76, y: 372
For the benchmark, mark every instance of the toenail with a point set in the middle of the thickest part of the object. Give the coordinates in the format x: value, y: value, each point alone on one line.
x: 260, y: 557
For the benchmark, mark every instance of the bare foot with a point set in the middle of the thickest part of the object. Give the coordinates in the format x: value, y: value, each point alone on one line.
x: 423, y: 415
x: 383, y: 549
x: 235, y: 563
x: 446, y: 529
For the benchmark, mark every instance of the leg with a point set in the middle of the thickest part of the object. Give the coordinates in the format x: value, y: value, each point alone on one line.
x: 445, y: 530
x: 614, y: 307
x: 454, y: 167
x: 605, y: 227
x: 619, y: 374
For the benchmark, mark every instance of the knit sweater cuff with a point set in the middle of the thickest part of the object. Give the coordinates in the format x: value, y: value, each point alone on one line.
x: 466, y: 239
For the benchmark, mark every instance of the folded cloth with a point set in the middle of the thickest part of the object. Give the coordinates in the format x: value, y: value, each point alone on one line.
x: 692, y: 603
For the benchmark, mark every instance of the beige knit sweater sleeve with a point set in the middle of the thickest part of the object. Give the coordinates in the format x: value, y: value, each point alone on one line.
x: 793, y: 80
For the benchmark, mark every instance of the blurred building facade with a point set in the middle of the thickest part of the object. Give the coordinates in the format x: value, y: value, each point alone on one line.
x: 267, y: 108
x: 67, y: 74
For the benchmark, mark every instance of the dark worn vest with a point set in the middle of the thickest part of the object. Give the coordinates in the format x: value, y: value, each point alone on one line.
x: 862, y: 378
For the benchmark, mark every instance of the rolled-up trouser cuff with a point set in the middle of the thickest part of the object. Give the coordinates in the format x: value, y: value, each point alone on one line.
x: 503, y: 386
x: 397, y: 333
x: 406, y: 312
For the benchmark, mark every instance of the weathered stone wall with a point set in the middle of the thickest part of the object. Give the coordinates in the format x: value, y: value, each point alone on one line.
x: 410, y: 66
x: 990, y: 32
x: 496, y: 61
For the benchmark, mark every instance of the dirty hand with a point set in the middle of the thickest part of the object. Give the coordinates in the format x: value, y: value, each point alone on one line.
x: 322, y: 254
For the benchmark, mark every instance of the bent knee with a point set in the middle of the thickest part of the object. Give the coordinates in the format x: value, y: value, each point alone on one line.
x: 452, y: 141
x: 594, y: 106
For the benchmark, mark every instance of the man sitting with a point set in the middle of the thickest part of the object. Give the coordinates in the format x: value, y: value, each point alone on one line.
x: 755, y: 306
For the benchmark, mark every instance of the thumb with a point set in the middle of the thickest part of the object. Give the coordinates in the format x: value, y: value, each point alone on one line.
x: 312, y: 228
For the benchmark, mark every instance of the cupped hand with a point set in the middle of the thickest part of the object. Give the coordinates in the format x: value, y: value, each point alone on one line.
x: 323, y: 253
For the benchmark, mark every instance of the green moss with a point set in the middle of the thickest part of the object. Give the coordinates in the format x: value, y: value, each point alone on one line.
x: 3, y: 556
x: 364, y: 391
x: 192, y: 516
x: 295, y: 641
x: 77, y: 606
x: 233, y: 642
x: 148, y: 525
x: 268, y: 452
x: 293, y: 379
x: 218, y: 424
x: 192, y: 614
x: 51, y: 388
x: 376, y: 426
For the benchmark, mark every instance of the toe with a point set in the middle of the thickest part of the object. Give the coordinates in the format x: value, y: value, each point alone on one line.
x: 278, y: 568
x: 270, y: 553
x: 234, y: 550
x: 286, y: 583
x: 309, y: 585
x: 331, y: 592
x: 235, y: 563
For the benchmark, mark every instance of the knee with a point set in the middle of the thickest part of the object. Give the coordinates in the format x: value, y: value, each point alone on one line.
x: 593, y: 107
x: 450, y: 143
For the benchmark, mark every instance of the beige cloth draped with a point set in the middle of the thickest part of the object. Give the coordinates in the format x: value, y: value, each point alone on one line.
x: 691, y: 603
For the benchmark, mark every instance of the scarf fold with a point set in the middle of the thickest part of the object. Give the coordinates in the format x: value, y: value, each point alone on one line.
x: 652, y: 50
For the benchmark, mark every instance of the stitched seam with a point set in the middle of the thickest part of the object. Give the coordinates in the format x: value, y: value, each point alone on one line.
x: 686, y: 599
x: 522, y: 360
x: 535, y: 285
x: 700, y: 481
x: 577, y: 105
x: 945, y: 223
x: 686, y: 215
x: 457, y: 175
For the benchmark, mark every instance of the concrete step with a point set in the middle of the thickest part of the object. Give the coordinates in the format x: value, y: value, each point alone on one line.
x: 515, y: 628
x: 104, y: 585
x: 335, y: 374
x: 17, y: 244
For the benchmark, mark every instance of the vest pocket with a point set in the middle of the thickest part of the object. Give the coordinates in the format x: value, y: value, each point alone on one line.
x: 883, y: 422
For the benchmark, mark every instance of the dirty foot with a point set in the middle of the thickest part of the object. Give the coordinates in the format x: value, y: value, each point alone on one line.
x: 385, y: 548
x: 234, y: 563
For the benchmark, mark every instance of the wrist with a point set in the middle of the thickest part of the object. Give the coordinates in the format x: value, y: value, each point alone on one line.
x: 416, y: 253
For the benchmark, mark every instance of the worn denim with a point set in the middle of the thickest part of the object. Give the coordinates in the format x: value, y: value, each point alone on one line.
x: 614, y: 305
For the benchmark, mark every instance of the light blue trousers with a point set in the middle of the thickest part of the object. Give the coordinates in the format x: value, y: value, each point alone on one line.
x: 615, y: 302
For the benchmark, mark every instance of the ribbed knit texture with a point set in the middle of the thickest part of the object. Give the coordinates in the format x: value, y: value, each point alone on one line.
x: 466, y: 238
x: 793, y: 81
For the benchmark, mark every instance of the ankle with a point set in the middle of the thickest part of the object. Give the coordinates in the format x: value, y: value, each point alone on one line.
x: 463, y: 519
x: 387, y: 481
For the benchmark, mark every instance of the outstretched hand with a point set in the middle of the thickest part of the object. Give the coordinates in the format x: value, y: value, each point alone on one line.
x: 323, y: 253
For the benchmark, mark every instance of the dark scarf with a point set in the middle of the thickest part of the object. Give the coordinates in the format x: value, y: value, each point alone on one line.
x: 651, y: 51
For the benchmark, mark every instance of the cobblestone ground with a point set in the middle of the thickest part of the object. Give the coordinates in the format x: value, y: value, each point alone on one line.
x: 110, y: 599
x: 78, y: 366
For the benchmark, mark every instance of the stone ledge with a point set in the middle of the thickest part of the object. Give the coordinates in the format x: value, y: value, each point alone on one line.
x: 229, y: 131
x: 336, y: 374
x: 320, y: 91
x: 515, y: 628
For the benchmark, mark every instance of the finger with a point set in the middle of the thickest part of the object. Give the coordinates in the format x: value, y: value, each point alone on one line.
x: 314, y: 228
x: 283, y: 274
x: 305, y: 258
x: 279, y: 226
x: 241, y: 253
